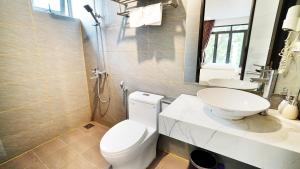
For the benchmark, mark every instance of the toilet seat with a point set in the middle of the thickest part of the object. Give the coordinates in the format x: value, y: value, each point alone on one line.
x: 122, y: 137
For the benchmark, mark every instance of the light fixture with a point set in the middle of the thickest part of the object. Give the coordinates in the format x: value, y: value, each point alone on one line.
x: 292, y: 45
x: 292, y: 19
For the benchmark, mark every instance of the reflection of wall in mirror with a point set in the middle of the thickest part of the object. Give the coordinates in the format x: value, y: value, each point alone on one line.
x: 261, y: 34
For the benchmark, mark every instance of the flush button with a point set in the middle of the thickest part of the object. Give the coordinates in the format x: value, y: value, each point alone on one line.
x: 146, y: 94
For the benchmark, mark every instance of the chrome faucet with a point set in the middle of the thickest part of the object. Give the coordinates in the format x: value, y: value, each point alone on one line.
x: 267, y: 80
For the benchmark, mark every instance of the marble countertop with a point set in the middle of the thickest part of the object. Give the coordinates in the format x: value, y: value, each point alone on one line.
x: 262, y: 141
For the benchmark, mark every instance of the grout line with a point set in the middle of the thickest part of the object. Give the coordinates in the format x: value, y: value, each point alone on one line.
x: 81, y: 155
x: 40, y: 159
x: 85, y: 64
x: 22, y: 106
x: 44, y: 143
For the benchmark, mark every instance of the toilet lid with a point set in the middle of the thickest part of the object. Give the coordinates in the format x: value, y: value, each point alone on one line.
x: 122, y: 136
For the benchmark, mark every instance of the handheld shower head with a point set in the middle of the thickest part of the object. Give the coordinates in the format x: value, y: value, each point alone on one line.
x: 88, y: 8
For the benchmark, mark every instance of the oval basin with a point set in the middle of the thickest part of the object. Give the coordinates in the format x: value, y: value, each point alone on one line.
x: 232, y: 104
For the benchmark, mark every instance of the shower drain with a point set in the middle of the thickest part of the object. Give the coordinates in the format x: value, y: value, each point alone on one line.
x: 88, y: 126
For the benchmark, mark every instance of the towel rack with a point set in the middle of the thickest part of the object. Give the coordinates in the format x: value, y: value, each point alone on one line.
x: 126, y: 2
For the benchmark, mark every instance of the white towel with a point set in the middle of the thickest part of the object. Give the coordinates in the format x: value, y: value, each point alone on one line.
x: 152, y: 14
x: 148, y: 15
x: 136, y: 17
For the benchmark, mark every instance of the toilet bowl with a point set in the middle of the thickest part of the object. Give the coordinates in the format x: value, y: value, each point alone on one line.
x: 136, y: 152
x: 131, y: 144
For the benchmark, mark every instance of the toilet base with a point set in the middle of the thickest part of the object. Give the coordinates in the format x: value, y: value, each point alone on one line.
x: 141, y: 160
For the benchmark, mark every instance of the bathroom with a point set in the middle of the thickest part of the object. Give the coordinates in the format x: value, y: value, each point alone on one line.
x: 77, y: 78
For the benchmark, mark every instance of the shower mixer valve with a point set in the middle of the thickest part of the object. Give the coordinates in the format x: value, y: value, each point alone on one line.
x: 97, y: 73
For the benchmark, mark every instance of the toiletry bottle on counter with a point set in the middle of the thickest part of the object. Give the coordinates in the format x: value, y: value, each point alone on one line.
x: 282, y: 105
x: 291, y: 110
x: 285, y: 101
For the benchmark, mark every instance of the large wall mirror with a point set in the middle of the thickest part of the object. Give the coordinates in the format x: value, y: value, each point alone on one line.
x: 224, y: 39
x: 234, y: 35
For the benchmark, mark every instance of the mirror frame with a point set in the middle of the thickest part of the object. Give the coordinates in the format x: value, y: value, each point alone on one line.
x: 246, y: 46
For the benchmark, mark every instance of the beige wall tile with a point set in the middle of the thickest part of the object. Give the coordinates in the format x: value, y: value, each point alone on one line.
x: 19, y: 68
x: 69, y: 91
x: 21, y: 93
x: 43, y: 83
x: 119, y: 38
x: 57, y: 23
x: 16, y: 40
x: 17, y: 12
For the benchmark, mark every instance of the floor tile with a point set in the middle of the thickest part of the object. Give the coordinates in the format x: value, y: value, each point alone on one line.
x: 27, y: 161
x: 79, y: 149
x: 47, y: 149
x: 94, y: 156
x: 84, y: 143
x: 72, y: 136
x: 79, y: 163
x: 168, y: 161
x: 97, y: 131
x: 60, y: 158
x: 156, y: 162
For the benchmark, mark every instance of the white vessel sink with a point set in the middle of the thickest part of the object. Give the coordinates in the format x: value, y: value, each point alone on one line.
x: 232, y: 104
x: 233, y: 84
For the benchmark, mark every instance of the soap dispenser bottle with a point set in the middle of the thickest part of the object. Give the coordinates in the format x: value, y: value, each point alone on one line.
x: 291, y: 110
x: 285, y: 101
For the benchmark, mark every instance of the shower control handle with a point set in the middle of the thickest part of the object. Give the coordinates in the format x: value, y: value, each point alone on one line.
x: 97, y: 73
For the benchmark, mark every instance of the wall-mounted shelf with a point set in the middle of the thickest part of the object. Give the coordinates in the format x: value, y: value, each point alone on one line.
x: 126, y: 12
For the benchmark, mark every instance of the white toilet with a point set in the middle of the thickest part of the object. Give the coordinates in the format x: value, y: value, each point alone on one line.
x: 131, y: 144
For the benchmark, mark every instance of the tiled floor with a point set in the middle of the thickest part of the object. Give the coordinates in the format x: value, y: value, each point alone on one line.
x: 79, y: 149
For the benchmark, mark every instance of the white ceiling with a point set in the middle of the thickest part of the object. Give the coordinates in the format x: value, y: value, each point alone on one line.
x: 226, y: 9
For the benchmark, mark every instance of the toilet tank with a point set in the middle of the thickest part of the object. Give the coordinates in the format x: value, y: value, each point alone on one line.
x: 144, y: 108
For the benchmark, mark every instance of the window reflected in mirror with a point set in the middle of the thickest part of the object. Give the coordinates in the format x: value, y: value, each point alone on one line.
x: 225, y: 45
x: 224, y: 39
